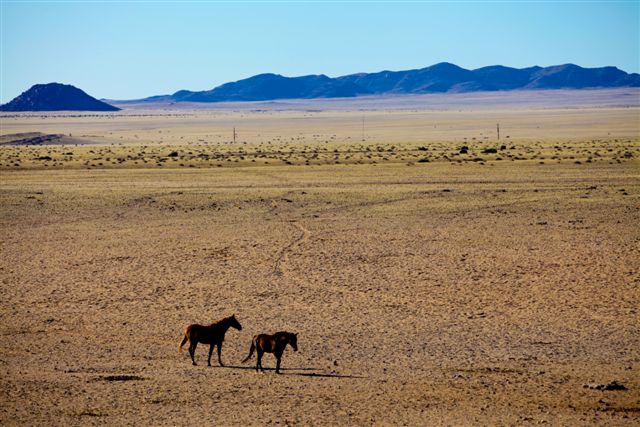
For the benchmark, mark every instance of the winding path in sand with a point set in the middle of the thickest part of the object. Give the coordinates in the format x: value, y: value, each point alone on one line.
x: 279, y: 268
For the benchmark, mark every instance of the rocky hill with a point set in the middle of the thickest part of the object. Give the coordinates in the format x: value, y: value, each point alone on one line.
x: 55, y: 97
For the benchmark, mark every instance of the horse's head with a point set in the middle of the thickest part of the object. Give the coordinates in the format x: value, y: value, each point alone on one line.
x: 233, y: 322
x: 293, y: 341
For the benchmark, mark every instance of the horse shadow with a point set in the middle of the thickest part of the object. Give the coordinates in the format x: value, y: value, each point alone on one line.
x: 311, y: 372
x: 323, y: 375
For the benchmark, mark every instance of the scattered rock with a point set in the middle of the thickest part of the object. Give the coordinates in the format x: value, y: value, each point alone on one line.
x: 612, y: 386
x: 479, y: 315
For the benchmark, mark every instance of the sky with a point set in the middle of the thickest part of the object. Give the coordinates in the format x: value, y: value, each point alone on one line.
x: 134, y: 49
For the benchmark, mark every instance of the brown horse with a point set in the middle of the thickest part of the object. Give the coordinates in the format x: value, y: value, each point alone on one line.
x: 275, y: 344
x: 212, y: 334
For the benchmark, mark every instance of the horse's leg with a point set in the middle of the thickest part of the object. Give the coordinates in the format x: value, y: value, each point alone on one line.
x: 210, y: 351
x: 220, y: 353
x: 192, y: 351
x: 259, y: 362
x: 278, y: 355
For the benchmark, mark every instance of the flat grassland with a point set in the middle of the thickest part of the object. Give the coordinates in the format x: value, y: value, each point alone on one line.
x: 429, y: 284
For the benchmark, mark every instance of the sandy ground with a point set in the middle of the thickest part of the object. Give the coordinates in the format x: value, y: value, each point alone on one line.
x: 423, y: 293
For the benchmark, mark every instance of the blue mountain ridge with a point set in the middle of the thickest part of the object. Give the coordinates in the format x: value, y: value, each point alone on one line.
x: 439, y: 78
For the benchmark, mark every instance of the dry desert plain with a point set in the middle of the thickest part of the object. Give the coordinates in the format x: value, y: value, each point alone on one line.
x: 428, y: 284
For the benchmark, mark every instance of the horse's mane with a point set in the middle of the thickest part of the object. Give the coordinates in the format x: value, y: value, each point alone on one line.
x: 284, y: 333
x: 219, y: 321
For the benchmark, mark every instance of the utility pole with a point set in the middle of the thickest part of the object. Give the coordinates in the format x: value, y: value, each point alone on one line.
x: 234, y: 135
x: 363, y: 127
x: 498, y: 129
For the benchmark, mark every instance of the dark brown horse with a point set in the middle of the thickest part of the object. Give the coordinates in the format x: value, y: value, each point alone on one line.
x: 275, y: 344
x: 212, y: 334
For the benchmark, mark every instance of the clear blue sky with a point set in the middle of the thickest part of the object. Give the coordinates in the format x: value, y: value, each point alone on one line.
x: 126, y: 50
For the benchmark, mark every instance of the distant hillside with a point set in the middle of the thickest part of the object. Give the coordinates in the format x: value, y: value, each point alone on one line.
x: 55, y: 97
x: 439, y: 78
x: 272, y: 86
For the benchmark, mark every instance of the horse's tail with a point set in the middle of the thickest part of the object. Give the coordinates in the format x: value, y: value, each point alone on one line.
x: 184, y: 341
x: 252, y: 349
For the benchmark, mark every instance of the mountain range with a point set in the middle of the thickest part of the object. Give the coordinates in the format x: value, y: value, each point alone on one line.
x: 55, y: 97
x: 438, y: 78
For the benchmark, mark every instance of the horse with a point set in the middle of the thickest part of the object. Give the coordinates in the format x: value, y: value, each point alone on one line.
x: 275, y: 344
x: 212, y: 334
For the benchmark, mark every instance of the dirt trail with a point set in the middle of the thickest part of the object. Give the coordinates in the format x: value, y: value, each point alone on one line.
x: 280, y: 266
